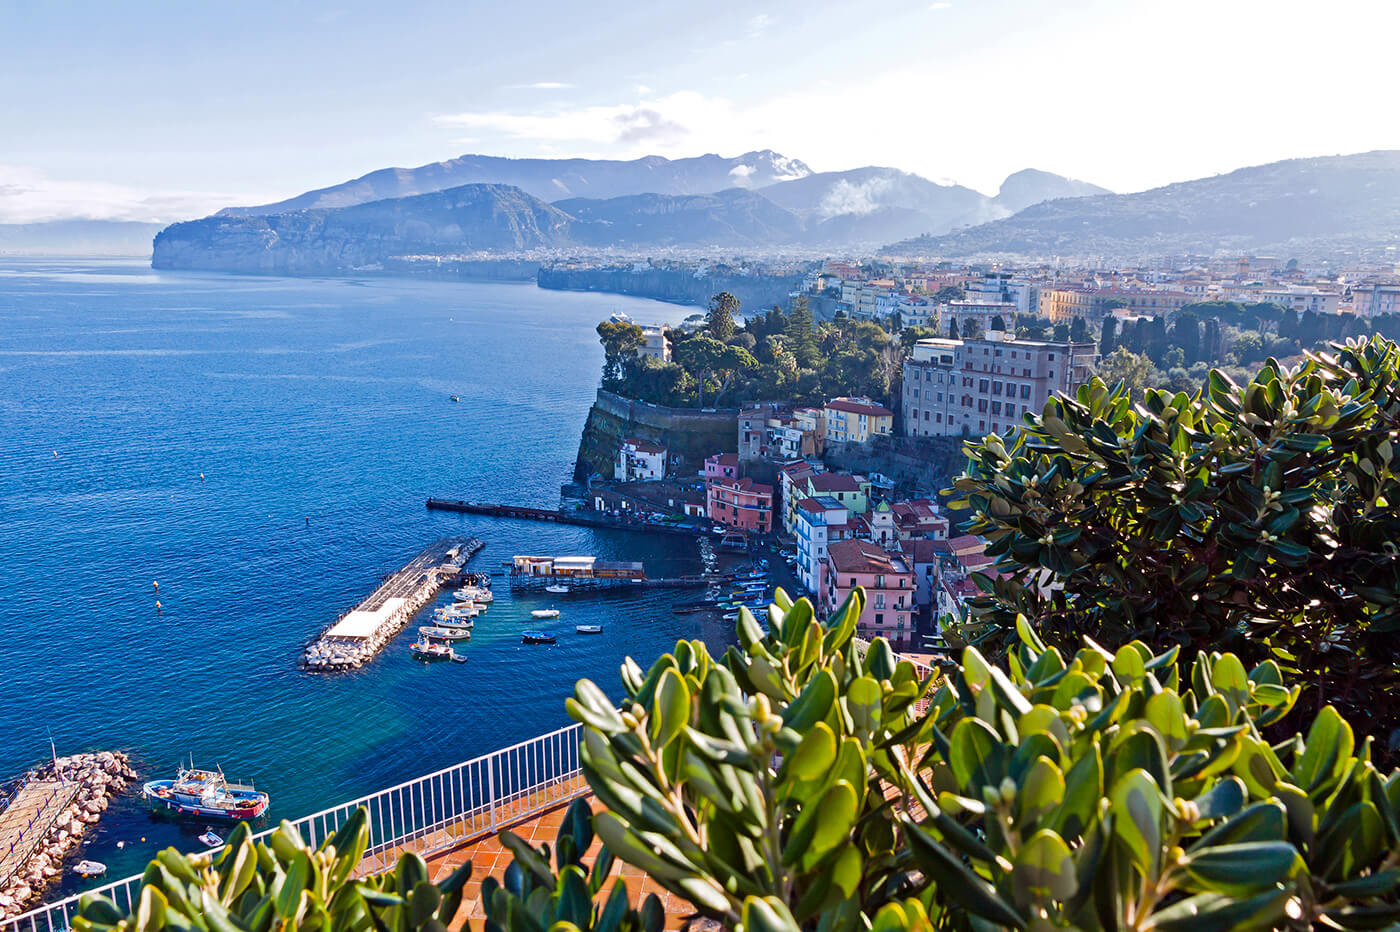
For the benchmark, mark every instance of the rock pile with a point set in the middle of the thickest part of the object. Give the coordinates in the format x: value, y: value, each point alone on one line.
x: 100, y: 777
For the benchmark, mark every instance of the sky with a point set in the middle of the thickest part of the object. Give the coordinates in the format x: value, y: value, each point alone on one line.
x: 164, y: 111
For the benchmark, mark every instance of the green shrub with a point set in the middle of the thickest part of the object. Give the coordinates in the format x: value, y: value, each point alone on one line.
x: 1260, y: 519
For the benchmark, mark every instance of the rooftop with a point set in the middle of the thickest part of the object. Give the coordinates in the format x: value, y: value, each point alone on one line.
x: 857, y: 407
x: 861, y: 556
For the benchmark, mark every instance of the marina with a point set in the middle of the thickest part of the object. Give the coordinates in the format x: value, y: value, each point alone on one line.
x: 362, y: 632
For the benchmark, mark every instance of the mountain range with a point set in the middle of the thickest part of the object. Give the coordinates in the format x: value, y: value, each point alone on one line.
x: 1344, y: 205
x: 483, y: 203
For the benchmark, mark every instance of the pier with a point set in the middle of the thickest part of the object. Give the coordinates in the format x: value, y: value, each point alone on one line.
x: 27, y: 819
x: 580, y: 518
x: 360, y: 633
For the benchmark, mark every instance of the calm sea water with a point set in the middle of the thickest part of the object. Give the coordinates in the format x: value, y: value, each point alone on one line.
x: 325, y: 400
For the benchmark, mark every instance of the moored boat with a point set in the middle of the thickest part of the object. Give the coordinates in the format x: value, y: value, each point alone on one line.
x: 537, y: 637
x: 589, y: 629
x: 556, y: 589
x: 89, y: 868
x: 206, y: 793
x: 427, y: 650
x: 211, y: 839
x: 446, y: 633
x: 545, y: 613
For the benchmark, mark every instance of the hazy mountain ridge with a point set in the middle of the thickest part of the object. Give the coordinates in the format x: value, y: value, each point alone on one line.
x: 1347, y: 202
x: 730, y: 217
x: 466, y: 219
x: 550, y: 179
x: 78, y: 238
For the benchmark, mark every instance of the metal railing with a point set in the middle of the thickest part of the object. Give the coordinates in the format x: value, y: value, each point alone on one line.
x: 423, y: 815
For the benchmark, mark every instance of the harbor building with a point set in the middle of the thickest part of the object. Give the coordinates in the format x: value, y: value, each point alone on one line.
x: 889, y: 588
x: 740, y: 503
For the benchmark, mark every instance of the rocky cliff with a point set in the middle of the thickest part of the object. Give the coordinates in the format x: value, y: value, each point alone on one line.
x: 687, y: 433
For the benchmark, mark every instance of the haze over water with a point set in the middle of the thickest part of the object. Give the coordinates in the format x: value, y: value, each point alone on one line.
x: 320, y: 399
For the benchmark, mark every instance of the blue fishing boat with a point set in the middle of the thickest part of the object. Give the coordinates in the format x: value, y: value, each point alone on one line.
x: 207, y: 794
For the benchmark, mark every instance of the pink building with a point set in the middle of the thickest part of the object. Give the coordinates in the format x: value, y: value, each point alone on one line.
x: 888, y: 583
x: 722, y: 466
x: 739, y: 503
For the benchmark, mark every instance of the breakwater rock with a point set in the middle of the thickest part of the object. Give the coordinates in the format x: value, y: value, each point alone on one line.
x: 99, y: 777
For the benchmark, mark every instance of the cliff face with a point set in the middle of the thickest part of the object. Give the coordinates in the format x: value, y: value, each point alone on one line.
x: 678, y: 286
x: 685, y: 432
x: 470, y: 218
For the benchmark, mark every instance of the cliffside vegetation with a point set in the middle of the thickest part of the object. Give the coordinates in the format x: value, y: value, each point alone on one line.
x: 774, y: 355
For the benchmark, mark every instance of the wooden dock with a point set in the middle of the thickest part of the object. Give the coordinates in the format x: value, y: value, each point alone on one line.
x: 359, y: 634
x: 28, y: 818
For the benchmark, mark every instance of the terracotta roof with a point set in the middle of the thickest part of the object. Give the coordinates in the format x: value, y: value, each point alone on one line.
x: 920, y: 550
x: 725, y: 459
x: 834, y: 482
x: 855, y: 407
x: 743, y: 485
x: 860, y: 556
x: 967, y: 543
x: 644, y: 446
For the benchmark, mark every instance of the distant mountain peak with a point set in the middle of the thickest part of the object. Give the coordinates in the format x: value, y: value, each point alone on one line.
x: 1032, y: 186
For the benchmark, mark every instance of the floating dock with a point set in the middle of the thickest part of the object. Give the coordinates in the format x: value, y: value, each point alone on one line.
x: 580, y: 518
x: 360, y: 633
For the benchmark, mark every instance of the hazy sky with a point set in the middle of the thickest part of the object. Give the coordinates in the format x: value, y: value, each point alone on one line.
x: 161, y: 111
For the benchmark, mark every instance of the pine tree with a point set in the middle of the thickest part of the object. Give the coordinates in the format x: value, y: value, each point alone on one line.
x: 719, y: 318
x: 1108, y: 338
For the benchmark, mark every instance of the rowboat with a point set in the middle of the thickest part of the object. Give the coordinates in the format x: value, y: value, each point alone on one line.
x: 537, y: 637
x: 545, y: 613
x: 210, y: 839
x: 89, y: 868
x: 447, y: 634
x: 589, y: 629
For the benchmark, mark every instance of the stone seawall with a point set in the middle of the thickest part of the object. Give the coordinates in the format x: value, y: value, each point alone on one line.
x: 689, y: 433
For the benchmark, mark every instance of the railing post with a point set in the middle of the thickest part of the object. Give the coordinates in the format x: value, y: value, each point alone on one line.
x: 491, y: 789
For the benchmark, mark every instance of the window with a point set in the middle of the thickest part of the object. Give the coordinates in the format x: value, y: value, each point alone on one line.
x: 879, y: 618
x: 1052, y: 357
x: 1025, y: 391
x: 982, y: 405
x: 880, y: 584
x: 981, y: 385
x: 996, y: 407
x: 996, y: 388
x: 926, y: 415
x: 879, y: 600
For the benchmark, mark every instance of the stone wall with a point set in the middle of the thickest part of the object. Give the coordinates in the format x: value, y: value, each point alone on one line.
x: 689, y: 433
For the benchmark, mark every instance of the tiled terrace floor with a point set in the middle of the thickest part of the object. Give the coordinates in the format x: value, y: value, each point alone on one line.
x: 490, y: 858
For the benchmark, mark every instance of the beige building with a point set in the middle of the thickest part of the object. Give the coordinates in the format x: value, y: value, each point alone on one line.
x: 972, y: 387
x: 856, y: 420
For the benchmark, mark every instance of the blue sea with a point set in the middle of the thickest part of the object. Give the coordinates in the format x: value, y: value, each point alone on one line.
x: 262, y: 448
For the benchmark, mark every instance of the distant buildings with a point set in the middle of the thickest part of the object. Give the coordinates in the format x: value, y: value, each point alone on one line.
x: 961, y: 387
x: 1375, y: 298
x: 856, y: 420
x: 820, y: 521
x: 657, y: 344
x: 771, y: 433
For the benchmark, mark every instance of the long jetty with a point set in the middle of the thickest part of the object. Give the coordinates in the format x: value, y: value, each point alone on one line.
x: 580, y: 518
x: 362, y: 632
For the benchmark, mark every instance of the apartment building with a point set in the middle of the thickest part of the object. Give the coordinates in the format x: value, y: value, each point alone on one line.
x: 966, y: 387
x: 888, y: 583
x: 742, y: 504
x: 820, y: 521
x: 1374, y: 298
x: 639, y: 459
x: 856, y: 420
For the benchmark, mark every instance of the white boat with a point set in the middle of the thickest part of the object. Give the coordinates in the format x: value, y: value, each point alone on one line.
x: 456, y: 624
x: 557, y: 590
x: 462, y: 611
x: 474, y: 594
x: 589, y: 629
x: 89, y: 868
x: 210, y: 839
x: 430, y: 650
x: 545, y: 613
x: 446, y: 634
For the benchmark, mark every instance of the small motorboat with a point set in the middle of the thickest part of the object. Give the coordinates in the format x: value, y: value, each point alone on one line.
x: 446, y: 633
x: 545, y: 613
x: 458, y: 658
x: 210, y: 839
x: 537, y: 637
x: 89, y: 868
x: 557, y: 590
x: 455, y: 398
x: 448, y: 620
x: 589, y: 629
x: 427, y: 650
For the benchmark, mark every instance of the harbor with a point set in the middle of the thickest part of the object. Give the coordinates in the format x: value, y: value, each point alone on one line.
x: 359, y: 634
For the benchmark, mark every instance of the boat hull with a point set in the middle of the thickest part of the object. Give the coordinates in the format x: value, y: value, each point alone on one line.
x: 241, y: 808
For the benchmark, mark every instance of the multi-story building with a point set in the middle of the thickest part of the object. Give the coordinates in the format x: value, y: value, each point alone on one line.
x: 1066, y: 302
x: 888, y: 583
x: 753, y: 430
x: 820, y: 521
x: 1374, y: 298
x: 639, y: 459
x: 722, y: 466
x: 656, y: 344
x: 1002, y: 288
x: 851, y: 491
x: 976, y: 317
x: 792, y: 483
x: 1303, y: 298
x: 856, y: 420
x: 962, y: 387
x: 767, y: 432
x: 740, y: 503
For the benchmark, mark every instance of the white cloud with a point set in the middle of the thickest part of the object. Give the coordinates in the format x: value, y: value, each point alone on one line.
x: 759, y: 24
x: 940, y: 5
x: 28, y: 196
x: 542, y: 86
